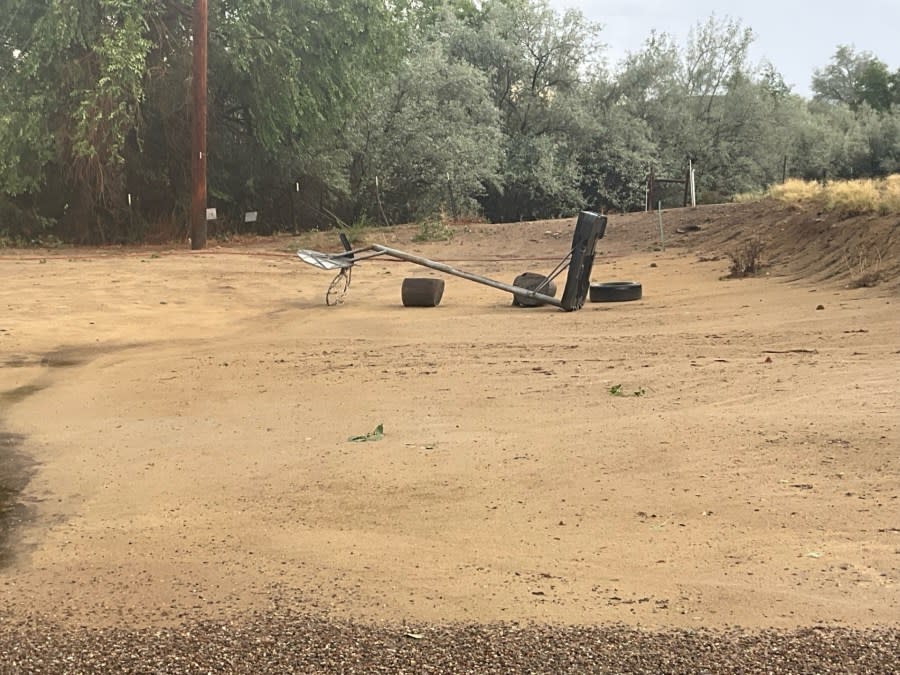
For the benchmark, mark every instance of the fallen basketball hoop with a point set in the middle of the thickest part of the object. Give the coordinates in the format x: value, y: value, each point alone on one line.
x: 589, y: 228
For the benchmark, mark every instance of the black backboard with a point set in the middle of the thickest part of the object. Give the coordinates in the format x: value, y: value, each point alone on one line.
x: 589, y: 228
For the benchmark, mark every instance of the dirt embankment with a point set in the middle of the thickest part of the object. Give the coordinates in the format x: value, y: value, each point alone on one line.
x: 799, y: 242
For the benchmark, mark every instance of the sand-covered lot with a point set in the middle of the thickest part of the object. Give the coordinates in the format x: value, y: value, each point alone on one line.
x: 183, y: 420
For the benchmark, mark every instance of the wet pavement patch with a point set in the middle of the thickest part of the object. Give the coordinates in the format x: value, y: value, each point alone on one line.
x: 16, y: 470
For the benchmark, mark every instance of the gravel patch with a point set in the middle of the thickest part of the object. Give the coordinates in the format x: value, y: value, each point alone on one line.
x: 284, y: 642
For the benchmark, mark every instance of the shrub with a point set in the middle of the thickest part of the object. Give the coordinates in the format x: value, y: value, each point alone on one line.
x: 864, y: 266
x: 356, y: 233
x: 746, y: 261
x: 433, y: 230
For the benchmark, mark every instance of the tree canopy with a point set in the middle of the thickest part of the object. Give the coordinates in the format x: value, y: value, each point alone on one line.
x: 396, y: 111
x: 855, y: 80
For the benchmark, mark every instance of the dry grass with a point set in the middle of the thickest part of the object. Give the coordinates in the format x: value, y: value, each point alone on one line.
x: 795, y: 190
x: 853, y: 198
x: 864, y: 266
x: 748, y: 197
x: 848, y: 197
x: 890, y: 197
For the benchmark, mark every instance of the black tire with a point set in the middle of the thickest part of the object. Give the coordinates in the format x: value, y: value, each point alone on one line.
x: 422, y: 292
x: 616, y: 291
x: 533, y: 281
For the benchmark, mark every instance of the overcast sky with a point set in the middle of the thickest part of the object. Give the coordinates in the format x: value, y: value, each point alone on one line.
x: 797, y: 37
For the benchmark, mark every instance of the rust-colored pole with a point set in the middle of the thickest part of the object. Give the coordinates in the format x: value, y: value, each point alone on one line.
x: 198, y: 126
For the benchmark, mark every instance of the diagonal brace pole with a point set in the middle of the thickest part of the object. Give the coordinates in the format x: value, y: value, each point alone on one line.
x: 477, y: 278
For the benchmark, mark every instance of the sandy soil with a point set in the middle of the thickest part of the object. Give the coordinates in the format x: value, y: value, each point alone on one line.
x: 188, y: 419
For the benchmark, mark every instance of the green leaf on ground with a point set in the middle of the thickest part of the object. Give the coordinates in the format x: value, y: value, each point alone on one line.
x: 376, y: 435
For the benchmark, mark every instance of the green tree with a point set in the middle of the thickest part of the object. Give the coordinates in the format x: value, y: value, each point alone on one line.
x: 72, y: 86
x: 431, y: 136
x: 616, y: 159
x: 506, y: 97
x: 855, y: 79
x: 535, y: 61
x: 95, y: 101
x: 282, y: 95
x: 706, y: 101
x: 650, y: 88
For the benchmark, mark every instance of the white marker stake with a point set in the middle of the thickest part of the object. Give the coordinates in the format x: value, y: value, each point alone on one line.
x: 662, y: 239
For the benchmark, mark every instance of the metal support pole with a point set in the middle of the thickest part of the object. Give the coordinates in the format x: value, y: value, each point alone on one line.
x: 693, y: 187
x: 441, y: 267
x: 198, y: 126
x: 662, y: 236
x: 294, y: 188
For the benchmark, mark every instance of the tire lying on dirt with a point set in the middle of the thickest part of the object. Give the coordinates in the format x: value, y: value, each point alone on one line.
x: 533, y: 281
x: 616, y: 291
x: 422, y: 292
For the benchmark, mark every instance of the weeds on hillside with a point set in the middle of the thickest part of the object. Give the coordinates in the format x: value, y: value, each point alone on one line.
x: 356, y: 232
x: 8, y: 240
x: 853, y: 198
x: 864, y: 267
x: 795, y: 190
x: 748, y: 197
x: 890, y: 197
x: 434, y: 230
x: 847, y: 197
x: 746, y: 260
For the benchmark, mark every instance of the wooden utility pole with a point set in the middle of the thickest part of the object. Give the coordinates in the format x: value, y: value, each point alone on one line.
x: 198, y: 126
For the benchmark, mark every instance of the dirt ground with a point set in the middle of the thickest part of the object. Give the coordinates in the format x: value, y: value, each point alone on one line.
x: 184, y: 422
